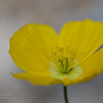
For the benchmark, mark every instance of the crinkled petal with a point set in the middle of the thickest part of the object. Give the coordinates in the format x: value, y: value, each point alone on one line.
x: 86, y: 35
x: 92, y: 67
x: 38, y: 78
x: 30, y: 47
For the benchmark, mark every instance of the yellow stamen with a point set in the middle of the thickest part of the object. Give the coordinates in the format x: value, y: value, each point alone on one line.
x: 63, y: 60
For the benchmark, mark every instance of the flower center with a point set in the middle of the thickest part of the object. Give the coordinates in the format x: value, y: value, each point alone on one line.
x: 64, y: 62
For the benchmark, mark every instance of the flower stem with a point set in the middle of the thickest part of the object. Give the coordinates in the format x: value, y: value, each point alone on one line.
x: 65, y: 94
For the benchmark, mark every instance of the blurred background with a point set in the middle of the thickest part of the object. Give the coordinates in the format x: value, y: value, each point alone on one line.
x: 13, y: 15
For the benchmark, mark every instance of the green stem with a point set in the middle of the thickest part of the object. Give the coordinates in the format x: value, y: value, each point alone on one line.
x: 65, y: 94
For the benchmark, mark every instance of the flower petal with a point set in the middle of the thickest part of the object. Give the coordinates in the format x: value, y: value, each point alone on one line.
x: 86, y: 35
x: 93, y: 65
x: 91, y: 68
x: 73, y: 74
x: 38, y: 78
x: 30, y: 47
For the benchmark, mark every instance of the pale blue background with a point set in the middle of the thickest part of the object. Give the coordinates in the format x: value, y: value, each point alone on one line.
x: 13, y: 15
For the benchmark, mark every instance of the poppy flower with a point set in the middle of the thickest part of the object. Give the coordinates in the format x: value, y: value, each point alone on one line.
x: 68, y: 58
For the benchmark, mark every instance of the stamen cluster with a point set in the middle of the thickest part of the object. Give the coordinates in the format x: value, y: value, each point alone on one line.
x: 64, y: 58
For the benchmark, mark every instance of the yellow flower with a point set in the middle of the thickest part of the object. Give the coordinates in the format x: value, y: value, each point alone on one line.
x: 67, y: 58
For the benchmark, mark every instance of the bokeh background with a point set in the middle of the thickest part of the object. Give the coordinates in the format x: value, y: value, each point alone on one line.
x: 13, y: 15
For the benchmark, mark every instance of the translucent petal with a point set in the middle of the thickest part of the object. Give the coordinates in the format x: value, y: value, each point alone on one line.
x: 30, y: 47
x: 38, y: 78
x: 75, y: 73
x: 92, y: 67
x: 86, y: 35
